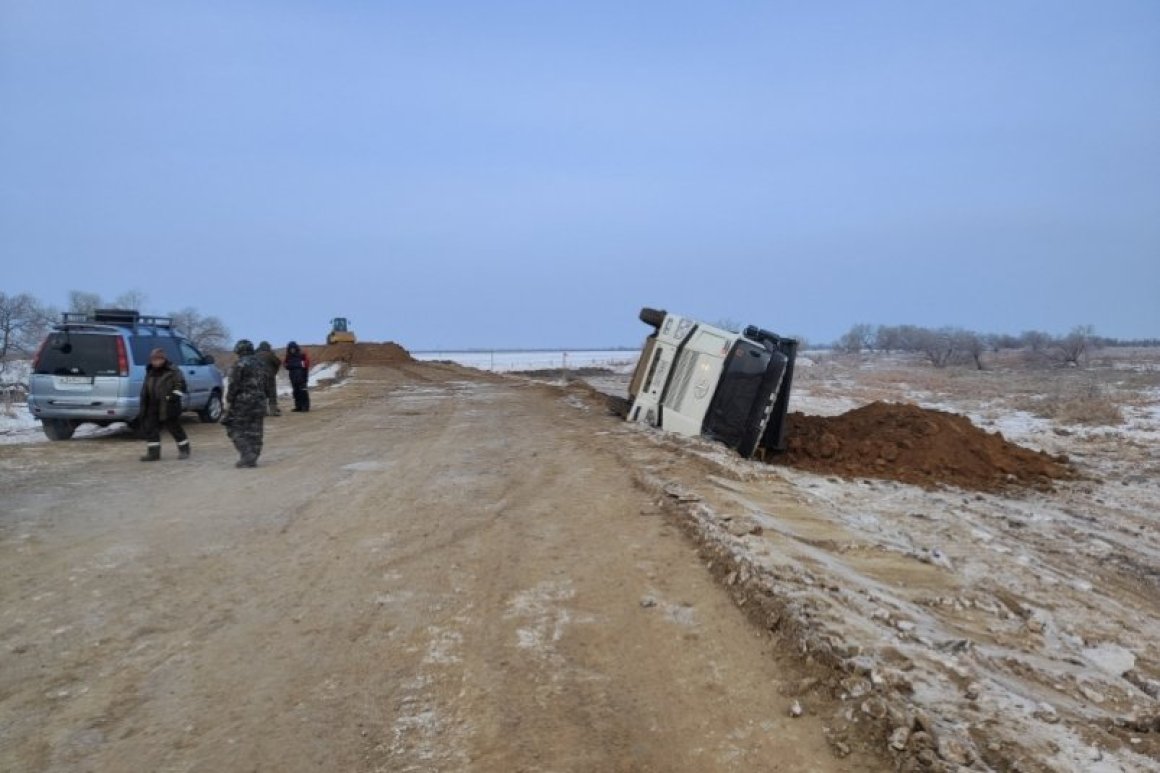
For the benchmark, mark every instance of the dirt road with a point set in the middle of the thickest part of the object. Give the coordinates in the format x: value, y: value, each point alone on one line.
x: 431, y: 571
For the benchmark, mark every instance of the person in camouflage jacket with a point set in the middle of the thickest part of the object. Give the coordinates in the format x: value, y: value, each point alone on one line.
x: 246, y: 404
x: 272, y: 363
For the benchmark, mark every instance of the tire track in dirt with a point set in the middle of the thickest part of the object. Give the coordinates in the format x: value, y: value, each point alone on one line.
x: 431, y: 570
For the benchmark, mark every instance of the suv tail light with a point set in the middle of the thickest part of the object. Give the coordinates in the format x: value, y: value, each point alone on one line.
x: 36, y: 359
x: 122, y: 359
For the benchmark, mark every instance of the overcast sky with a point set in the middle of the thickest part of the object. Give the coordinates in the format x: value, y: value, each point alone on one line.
x: 478, y: 174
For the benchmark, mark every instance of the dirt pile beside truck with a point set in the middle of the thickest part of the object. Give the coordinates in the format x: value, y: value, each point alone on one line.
x: 903, y: 442
x: 389, y: 353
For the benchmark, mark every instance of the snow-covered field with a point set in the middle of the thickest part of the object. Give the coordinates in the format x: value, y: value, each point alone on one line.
x: 1023, y: 625
x: 512, y: 361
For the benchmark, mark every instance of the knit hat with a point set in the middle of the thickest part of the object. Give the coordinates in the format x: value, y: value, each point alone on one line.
x: 158, y: 352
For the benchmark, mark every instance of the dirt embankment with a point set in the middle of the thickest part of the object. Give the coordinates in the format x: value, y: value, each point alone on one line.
x: 904, y: 442
x: 369, y: 353
x: 361, y: 353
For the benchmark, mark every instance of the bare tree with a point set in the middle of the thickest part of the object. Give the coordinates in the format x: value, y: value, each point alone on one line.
x: 971, y: 344
x: 1073, y: 348
x: 81, y: 302
x: 207, y: 333
x: 912, y: 338
x: 132, y: 299
x: 938, y: 346
x: 887, y: 338
x: 1036, y: 340
x: 857, y: 338
x: 997, y: 342
x: 23, y: 323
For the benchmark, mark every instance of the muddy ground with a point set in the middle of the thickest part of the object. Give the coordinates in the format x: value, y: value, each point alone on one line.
x: 991, y: 601
x: 440, y: 569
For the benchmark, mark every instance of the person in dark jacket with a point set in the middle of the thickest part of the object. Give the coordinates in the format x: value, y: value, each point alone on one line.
x: 246, y: 404
x: 162, y: 396
x: 297, y: 365
x: 272, y: 364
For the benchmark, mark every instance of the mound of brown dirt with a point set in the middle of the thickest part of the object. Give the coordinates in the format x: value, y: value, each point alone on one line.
x: 370, y: 353
x: 915, y: 445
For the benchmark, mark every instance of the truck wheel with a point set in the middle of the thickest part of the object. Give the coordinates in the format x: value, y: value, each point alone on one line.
x: 652, y: 317
x: 212, y: 412
x: 58, y: 429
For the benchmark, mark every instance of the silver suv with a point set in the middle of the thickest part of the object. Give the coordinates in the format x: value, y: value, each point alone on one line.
x: 90, y: 369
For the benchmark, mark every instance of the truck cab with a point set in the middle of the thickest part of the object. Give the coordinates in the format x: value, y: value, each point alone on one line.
x: 697, y: 379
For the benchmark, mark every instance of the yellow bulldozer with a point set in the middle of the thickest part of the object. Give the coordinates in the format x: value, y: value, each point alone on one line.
x: 340, y: 332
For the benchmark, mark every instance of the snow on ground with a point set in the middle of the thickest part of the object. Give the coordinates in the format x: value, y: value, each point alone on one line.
x: 803, y: 402
x: 15, y: 372
x: 1025, y: 623
x: 17, y: 424
x: 323, y: 374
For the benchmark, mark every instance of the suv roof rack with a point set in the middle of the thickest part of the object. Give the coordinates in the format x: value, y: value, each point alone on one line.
x: 124, y: 317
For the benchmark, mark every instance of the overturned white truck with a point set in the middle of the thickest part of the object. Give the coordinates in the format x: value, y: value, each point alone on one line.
x: 697, y: 379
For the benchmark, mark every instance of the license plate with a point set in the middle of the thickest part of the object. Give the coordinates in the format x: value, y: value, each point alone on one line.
x: 74, y: 380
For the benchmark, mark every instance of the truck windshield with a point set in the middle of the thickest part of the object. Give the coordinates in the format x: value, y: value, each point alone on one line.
x: 78, y: 354
x: 741, y: 386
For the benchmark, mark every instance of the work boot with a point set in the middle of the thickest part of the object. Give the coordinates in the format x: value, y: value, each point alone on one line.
x: 152, y: 453
x: 183, y: 449
x: 246, y: 461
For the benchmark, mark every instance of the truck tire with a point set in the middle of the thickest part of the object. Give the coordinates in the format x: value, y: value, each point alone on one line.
x: 212, y: 412
x: 58, y: 429
x: 652, y: 317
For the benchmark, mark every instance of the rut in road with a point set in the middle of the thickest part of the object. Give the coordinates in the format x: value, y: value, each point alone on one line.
x: 432, y: 570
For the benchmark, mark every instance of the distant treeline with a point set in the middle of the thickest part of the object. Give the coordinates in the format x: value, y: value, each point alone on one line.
x: 24, y: 321
x: 946, y: 345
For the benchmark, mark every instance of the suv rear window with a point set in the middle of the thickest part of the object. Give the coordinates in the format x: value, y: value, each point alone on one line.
x: 78, y: 354
x: 141, y: 345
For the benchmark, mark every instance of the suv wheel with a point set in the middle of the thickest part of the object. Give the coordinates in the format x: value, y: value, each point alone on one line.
x: 212, y: 412
x: 58, y: 429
